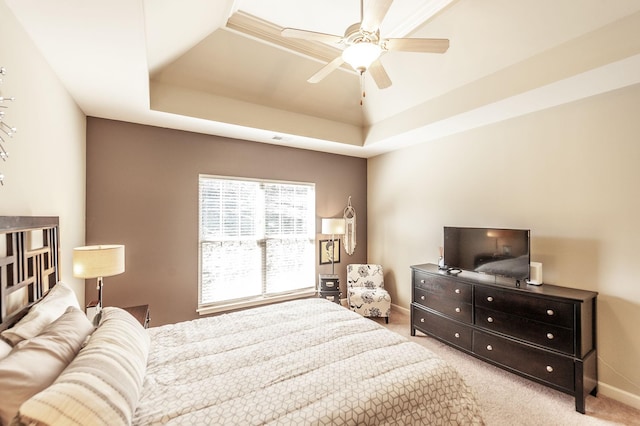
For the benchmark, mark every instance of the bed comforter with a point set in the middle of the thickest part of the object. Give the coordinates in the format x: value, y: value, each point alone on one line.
x: 301, y: 362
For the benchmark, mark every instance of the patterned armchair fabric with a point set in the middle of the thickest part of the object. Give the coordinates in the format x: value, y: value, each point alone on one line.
x: 365, y: 291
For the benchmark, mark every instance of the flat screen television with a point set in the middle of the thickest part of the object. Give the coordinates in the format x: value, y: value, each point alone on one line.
x: 493, y: 251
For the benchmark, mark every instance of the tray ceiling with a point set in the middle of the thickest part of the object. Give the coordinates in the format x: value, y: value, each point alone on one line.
x: 222, y: 68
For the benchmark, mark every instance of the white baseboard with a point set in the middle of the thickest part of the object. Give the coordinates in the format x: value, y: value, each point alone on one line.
x: 619, y: 395
x: 400, y: 308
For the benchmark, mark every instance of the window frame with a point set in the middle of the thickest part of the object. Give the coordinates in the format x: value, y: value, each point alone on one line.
x: 265, y: 297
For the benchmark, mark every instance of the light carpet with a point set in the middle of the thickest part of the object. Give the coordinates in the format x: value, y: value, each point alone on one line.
x: 508, y: 399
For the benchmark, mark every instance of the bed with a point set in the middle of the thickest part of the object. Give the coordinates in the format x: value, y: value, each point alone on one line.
x: 299, y: 362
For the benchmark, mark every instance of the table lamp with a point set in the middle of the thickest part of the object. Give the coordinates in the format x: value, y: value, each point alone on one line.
x: 98, y: 262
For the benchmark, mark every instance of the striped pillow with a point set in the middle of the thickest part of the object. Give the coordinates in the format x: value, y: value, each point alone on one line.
x: 34, y: 364
x: 102, y: 384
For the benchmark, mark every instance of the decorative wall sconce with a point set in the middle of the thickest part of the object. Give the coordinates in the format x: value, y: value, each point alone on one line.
x: 6, y: 131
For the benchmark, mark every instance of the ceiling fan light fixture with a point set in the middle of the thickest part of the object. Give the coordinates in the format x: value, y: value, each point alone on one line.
x: 361, y: 55
x: 363, y: 44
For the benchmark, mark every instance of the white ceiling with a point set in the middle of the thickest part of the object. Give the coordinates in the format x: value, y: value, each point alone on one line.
x: 178, y: 64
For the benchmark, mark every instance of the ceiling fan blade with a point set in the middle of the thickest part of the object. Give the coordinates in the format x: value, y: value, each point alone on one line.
x: 429, y: 45
x: 311, y: 35
x: 326, y: 70
x: 375, y: 13
x: 379, y: 75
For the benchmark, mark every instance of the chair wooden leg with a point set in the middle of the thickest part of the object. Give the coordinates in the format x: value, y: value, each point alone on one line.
x: 386, y: 319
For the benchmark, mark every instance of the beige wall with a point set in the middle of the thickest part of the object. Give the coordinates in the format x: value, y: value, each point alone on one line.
x: 570, y: 174
x: 142, y: 191
x: 45, y: 172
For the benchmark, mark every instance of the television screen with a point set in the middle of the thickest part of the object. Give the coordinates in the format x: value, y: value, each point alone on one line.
x: 501, y: 252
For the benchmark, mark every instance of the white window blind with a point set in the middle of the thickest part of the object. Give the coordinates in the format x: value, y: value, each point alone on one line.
x: 256, y: 239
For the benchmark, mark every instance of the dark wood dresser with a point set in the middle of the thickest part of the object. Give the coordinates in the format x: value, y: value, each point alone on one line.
x: 545, y: 333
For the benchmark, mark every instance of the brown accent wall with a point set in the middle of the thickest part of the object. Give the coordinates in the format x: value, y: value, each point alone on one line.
x: 142, y: 191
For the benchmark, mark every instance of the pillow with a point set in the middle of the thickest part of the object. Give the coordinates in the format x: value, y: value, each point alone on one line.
x: 5, y: 348
x: 56, y: 301
x: 34, y: 364
x: 102, y: 384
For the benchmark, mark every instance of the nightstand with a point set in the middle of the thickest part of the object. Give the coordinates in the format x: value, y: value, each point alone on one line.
x: 329, y: 287
x: 141, y: 313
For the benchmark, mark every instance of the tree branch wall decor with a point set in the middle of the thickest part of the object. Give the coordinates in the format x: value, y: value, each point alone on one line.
x: 6, y: 131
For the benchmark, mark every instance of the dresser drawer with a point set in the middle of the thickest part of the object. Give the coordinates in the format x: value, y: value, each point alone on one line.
x: 549, y: 367
x: 453, y: 332
x: 538, y: 309
x: 332, y: 296
x: 329, y: 283
x: 449, y: 306
x: 445, y: 286
x: 547, y: 335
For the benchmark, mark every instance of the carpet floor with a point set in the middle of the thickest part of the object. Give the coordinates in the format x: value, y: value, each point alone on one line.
x: 507, y: 399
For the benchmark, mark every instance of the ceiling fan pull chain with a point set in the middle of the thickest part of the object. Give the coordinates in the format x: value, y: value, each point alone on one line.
x: 362, y: 91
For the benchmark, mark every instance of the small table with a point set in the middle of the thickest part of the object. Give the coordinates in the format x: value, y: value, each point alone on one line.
x: 141, y: 313
x: 329, y: 287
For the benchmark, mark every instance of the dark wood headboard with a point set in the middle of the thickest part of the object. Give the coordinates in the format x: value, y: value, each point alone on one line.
x: 29, y: 250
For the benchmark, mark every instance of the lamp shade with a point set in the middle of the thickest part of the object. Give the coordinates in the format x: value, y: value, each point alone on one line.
x: 333, y: 226
x: 98, y: 261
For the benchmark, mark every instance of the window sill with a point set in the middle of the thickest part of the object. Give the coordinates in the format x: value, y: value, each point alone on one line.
x: 214, y: 309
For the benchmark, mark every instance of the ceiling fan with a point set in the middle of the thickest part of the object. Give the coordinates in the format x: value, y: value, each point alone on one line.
x: 363, y: 45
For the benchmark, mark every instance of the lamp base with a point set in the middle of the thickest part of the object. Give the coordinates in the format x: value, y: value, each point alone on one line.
x: 92, y: 309
x: 99, y: 288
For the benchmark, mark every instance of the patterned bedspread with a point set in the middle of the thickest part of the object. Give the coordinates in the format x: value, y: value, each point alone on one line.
x: 297, y: 363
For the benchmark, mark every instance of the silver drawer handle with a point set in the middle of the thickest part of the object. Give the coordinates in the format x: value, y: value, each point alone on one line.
x: 457, y: 291
x: 421, y: 281
x: 421, y: 319
x: 458, y: 310
x: 549, y: 369
x: 457, y: 335
x: 422, y: 297
x: 550, y: 312
x: 550, y: 336
x: 489, y: 319
x: 490, y: 299
x: 489, y: 347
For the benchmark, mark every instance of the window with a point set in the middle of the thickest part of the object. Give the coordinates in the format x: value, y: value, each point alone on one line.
x: 256, y: 241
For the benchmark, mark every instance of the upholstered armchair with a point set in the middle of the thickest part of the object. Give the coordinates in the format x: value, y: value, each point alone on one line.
x: 365, y: 291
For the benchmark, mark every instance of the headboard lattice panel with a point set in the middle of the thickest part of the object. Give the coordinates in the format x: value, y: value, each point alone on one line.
x: 29, y: 251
